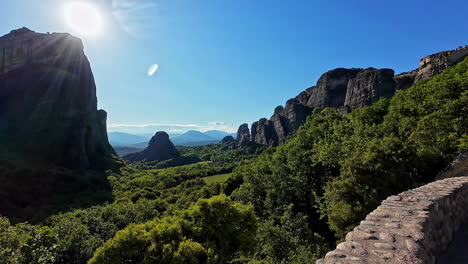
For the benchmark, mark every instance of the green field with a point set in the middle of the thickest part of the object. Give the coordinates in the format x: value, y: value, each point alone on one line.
x: 217, y: 178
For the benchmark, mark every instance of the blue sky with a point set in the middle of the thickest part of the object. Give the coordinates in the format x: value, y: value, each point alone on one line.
x: 227, y: 62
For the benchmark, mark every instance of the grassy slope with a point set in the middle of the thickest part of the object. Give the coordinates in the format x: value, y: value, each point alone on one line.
x: 217, y: 178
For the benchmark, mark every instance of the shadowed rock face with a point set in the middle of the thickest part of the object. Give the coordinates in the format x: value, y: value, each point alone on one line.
x: 368, y: 86
x: 160, y: 148
x: 48, y: 104
x: 331, y: 88
x: 345, y: 90
x: 243, y: 134
x: 228, y: 139
x: 264, y: 132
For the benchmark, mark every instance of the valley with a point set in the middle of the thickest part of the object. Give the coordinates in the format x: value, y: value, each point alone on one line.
x: 319, y: 174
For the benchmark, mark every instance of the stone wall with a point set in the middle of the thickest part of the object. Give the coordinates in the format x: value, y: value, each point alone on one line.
x: 436, y: 63
x: 415, y: 226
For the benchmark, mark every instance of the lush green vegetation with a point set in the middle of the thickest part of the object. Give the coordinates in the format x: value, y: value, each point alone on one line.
x: 216, y: 153
x: 138, y: 196
x: 289, y: 204
x: 339, y: 168
x: 222, y: 152
x: 213, y: 230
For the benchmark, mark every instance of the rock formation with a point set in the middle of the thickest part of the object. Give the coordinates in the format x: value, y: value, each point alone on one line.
x: 159, y: 148
x: 436, y: 63
x: 48, y: 104
x: 368, y: 86
x: 345, y: 90
x: 331, y: 88
x: 243, y: 134
x: 263, y: 132
x: 228, y: 139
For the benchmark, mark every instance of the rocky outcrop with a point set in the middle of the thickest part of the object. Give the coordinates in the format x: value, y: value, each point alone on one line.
x: 228, y: 139
x: 159, y: 148
x: 304, y: 96
x: 430, y: 66
x: 457, y: 167
x: 48, y: 104
x: 436, y: 63
x: 345, y: 90
x: 368, y: 86
x: 263, y: 132
x: 243, y: 134
x: 331, y: 88
x: 285, y: 122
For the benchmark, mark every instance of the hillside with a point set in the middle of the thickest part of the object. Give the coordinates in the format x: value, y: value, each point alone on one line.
x: 337, y: 168
x: 286, y: 204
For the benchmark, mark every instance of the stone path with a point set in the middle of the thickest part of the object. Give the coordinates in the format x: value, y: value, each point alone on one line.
x: 457, y: 253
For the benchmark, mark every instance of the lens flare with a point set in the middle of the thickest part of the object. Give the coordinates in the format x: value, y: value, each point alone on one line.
x: 83, y: 17
x: 152, y: 70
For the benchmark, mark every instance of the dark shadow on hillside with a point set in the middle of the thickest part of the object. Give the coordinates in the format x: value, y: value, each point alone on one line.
x: 32, y: 191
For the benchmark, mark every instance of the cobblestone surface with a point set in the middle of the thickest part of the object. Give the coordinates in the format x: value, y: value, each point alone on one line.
x: 413, y: 227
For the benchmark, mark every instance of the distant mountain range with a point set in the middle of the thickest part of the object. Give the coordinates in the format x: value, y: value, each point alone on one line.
x: 126, y: 139
x: 189, y: 138
x: 197, y: 138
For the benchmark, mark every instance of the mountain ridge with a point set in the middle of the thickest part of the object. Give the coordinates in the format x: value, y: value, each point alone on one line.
x: 344, y: 89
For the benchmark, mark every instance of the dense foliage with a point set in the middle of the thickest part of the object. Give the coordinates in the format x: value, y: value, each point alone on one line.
x: 217, y: 153
x: 339, y: 168
x: 211, y: 231
x: 32, y: 191
x: 222, y: 152
x: 289, y: 204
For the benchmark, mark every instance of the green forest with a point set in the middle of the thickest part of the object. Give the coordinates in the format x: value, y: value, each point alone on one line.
x: 286, y: 204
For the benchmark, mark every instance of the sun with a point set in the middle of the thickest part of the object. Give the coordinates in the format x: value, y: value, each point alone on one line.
x: 84, y: 18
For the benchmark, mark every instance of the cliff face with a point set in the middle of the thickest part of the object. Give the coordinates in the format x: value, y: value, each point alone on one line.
x: 243, y: 134
x: 159, y: 148
x: 331, y: 88
x: 436, y: 63
x: 48, y: 104
x: 344, y: 89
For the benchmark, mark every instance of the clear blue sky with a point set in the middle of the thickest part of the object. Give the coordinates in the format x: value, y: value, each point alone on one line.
x: 233, y: 61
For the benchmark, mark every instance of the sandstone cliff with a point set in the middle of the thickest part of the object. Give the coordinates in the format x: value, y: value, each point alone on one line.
x: 160, y: 148
x: 344, y: 89
x: 48, y: 104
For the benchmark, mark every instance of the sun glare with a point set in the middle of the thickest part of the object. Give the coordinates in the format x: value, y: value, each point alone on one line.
x: 83, y: 18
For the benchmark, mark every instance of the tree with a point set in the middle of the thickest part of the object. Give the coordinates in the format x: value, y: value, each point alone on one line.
x: 213, y: 230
